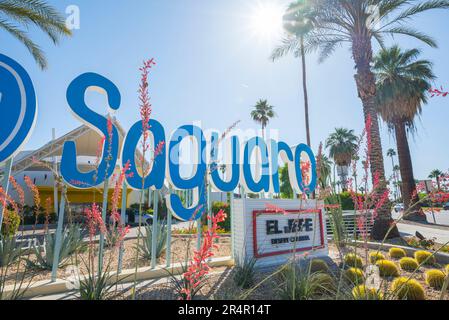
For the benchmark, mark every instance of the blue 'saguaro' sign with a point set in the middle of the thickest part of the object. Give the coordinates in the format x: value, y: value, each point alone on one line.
x: 18, y: 106
x: 167, y: 167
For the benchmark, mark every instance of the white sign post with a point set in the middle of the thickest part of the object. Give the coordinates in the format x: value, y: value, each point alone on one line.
x: 273, y: 237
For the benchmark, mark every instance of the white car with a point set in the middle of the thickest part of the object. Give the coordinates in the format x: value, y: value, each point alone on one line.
x: 399, y: 207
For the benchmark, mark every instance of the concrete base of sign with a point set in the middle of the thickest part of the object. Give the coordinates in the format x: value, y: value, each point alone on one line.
x: 272, y: 231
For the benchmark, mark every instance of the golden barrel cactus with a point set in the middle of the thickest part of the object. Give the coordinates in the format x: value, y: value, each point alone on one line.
x: 408, y: 289
x: 409, y: 264
x: 387, y: 268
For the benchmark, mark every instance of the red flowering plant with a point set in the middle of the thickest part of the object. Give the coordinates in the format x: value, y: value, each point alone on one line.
x: 194, y: 276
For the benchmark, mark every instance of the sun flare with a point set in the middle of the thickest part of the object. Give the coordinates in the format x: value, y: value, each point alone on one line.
x: 266, y: 20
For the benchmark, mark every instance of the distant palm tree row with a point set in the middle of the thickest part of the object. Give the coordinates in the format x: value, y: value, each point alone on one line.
x: 325, y: 25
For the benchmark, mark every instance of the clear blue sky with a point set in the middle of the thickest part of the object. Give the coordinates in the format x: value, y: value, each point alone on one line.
x: 213, y: 69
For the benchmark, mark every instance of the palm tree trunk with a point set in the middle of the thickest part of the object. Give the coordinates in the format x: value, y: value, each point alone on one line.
x: 306, y: 95
x: 366, y: 85
x: 409, y: 195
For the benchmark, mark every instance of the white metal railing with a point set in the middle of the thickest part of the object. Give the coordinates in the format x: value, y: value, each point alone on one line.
x: 351, y: 225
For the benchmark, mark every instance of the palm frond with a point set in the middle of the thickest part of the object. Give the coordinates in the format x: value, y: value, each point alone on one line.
x: 33, y: 48
x: 407, y: 31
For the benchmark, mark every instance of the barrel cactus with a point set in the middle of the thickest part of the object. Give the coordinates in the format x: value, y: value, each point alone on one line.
x: 355, y: 276
x: 364, y: 293
x: 408, y: 289
x: 435, y: 278
x: 318, y: 265
x: 376, y: 256
x: 397, y: 253
x: 353, y: 260
x: 425, y: 257
x: 409, y: 264
x: 387, y: 268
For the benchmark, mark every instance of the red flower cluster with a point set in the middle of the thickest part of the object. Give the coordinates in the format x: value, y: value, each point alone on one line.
x: 438, y: 93
x: 18, y: 189
x: 145, y: 105
x: 94, y: 221
x: 276, y: 209
x: 199, y: 267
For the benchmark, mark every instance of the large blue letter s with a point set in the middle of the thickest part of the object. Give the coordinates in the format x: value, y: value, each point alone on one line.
x: 76, y: 100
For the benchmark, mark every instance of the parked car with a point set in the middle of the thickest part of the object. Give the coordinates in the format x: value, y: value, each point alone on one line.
x: 399, y: 207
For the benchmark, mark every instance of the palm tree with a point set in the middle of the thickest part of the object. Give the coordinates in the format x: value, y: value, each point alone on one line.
x: 436, y: 174
x: 298, y: 23
x: 358, y: 23
x: 402, y: 84
x: 17, y: 15
x: 325, y: 171
x: 342, y: 145
x: 263, y: 112
x: 392, y: 153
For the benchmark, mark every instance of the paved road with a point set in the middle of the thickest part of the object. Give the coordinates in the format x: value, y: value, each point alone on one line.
x: 440, y: 232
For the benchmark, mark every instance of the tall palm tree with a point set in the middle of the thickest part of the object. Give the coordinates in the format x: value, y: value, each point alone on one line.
x: 357, y: 23
x: 17, y: 15
x: 392, y: 153
x: 342, y: 145
x: 436, y: 174
x: 402, y: 85
x: 262, y: 114
x: 298, y: 23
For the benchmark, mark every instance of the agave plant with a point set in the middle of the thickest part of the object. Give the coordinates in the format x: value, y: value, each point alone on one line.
x: 71, y: 242
x: 10, y: 250
x: 244, y: 273
x: 146, y: 247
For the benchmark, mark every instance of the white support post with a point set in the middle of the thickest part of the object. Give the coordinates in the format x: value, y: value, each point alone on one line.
x: 209, y: 207
x: 55, y: 183
x: 169, y: 221
x: 59, y: 231
x: 123, y: 218
x: 103, y: 215
x: 154, y: 234
x: 232, y: 226
x: 5, y: 186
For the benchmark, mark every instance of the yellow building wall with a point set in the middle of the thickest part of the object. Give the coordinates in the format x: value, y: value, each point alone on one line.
x: 79, y: 196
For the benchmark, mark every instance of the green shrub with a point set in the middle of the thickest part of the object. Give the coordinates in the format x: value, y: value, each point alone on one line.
x: 244, y: 273
x: 11, y: 223
x: 408, y: 289
x: 425, y: 257
x: 146, y: 247
x: 353, y: 260
x: 376, y: 256
x: 409, y: 264
x: 318, y: 265
x: 347, y: 202
x: 216, y: 207
x: 435, y: 278
x: 387, y: 268
x: 355, y: 276
x: 397, y: 253
x: 363, y: 293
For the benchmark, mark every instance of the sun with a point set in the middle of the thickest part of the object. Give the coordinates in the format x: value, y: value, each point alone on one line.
x: 266, y: 20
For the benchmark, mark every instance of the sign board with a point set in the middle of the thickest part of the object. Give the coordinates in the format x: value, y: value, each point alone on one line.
x: 296, y: 231
x: 272, y: 238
